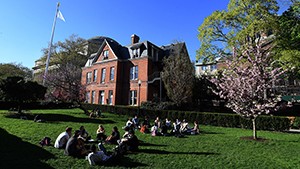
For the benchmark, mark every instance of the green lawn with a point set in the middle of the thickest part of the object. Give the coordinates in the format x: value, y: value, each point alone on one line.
x: 216, y: 147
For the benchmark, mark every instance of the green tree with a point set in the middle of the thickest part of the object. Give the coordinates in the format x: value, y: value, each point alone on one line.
x: 13, y: 69
x: 73, y: 49
x: 178, y: 75
x: 288, y: 39
x: 16, y: 89
x: 237, y: 26
x: 203, y: 94
x: 64, y: 81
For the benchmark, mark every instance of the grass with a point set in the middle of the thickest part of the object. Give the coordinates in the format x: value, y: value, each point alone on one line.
x: 216, y: 147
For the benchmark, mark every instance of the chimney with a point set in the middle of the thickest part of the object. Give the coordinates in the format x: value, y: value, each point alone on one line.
x: 134, y: 39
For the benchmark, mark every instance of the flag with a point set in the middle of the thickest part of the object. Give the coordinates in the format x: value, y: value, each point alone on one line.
x: 60, y: 16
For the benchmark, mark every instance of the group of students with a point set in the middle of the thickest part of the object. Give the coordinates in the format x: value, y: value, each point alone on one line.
x: 163, y: 127
x: 74, y: 145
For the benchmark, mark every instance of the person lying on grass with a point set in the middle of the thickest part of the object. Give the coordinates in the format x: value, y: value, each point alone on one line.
x: 63, y: 138
x: 101, y: 158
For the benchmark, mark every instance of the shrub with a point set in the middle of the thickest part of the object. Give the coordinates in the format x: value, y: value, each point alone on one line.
x: 296, y: 123
x: 276, y: 123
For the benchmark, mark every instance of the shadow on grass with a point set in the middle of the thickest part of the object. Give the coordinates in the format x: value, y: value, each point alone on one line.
x: 16, y: 153
x: 126, y: 162
x: 150, y: 144
x: 153, y: 151
x: 52, y: 118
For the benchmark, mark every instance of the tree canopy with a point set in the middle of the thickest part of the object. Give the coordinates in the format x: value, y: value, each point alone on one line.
x: 287, y: 48
x: 64, y: 81
x: 64, y: 84
x: 239, y: 25
x: 247, y: 82
x: 18, y: 90
x: 73, y: 48
x: 178, y: 75
x: 13, y: 69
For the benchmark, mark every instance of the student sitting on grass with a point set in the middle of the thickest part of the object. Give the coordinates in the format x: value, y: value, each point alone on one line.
x: 145, y: 126
x: 157, y: 122
x: 168, y: 124
x: 130, y: 142
x: 184, y: 127
x: 95, y: 113
x: 115, y: 135
x: 101, y: 133
x: 63, y: 138
x: 129, y: 124
x: 164, y: 129
x: 196, y: 129
x: 136, y: 122
x: 154, y: 131
x: 75, y: 146
x: 84, y: 134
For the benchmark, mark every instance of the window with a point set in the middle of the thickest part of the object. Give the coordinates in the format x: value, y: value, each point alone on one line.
x: 156, y: 56
x: 112, y: 73
x: 204, y: 68
x: 133, y: 97
x: 93, y: 97
x: 105, y: 54
x: 110, y: 97
x: 152, y: 52
x: 101, y: 97
x: 88, y: 77
x: 134, y: 73
x: 95, y: 75
x: 103, y: 71
x: 135, y: 53
x: 87, y: 97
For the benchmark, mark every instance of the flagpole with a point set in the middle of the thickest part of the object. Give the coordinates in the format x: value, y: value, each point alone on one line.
x: 50, y: 45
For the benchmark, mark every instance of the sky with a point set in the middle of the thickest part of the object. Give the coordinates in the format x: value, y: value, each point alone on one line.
x: 25, y: 26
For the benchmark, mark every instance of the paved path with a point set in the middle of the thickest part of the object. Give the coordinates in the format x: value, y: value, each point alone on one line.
x: 294, y: 131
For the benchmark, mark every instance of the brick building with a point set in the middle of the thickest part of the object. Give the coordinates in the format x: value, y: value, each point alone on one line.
x: 126, y: 75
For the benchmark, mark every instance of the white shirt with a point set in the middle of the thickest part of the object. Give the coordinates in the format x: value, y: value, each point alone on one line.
x: 61, y: 140
x: 128, y: 123
x: 97, y: 157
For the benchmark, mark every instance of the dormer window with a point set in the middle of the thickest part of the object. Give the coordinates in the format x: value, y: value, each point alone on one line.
x: 135, y: 53
x: 105, y: 54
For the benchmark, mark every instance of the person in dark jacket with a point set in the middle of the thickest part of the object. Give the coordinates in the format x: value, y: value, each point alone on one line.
x: 114, y: 137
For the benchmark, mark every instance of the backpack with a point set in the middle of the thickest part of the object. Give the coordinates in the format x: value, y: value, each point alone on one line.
x: 45, y: 141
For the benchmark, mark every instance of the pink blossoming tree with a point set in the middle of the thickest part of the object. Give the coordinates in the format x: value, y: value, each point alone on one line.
x: 246, y: 83
x: 64, y: 84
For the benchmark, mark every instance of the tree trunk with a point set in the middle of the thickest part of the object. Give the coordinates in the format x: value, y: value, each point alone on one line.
x: 254, y: 129
x: 82, y: 108
x: 19, y: 109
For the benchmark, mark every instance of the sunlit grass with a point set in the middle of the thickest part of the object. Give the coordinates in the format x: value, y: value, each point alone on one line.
x: 216, y: 147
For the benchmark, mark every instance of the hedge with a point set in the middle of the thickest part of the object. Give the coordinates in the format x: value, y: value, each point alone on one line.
x: 263, y: 122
